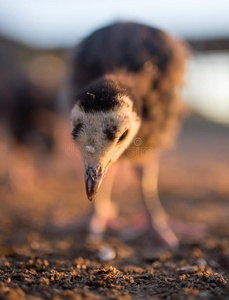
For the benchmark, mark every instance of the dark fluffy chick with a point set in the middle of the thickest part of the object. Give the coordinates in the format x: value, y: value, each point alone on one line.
x: 126, y: 81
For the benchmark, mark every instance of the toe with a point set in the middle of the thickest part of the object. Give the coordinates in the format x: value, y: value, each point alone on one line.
x: 165, y: 235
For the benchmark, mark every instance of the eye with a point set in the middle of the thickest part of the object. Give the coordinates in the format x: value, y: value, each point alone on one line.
x: 110, y: 133
x: 76, y: 130
x: 123, y: 136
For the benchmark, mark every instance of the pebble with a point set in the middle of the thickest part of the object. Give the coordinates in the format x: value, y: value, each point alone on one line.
x: 106, y: 253
x: 44, y: 281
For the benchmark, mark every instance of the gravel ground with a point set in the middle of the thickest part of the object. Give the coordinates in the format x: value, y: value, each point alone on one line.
x: 43, y: 257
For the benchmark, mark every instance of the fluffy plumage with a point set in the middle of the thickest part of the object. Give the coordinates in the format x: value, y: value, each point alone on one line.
x: 138, y: 61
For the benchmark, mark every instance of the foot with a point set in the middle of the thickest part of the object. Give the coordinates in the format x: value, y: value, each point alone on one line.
x: 161, y: 231
x: 97, y: 226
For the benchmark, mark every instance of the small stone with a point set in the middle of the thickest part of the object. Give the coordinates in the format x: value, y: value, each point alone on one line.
x: 106, y: 253
x: 46, y: 263
x: 182, y: 277
x: 29, y: 263
x: 187, y: 269
x: 131, y: 280
x: 44, y: 281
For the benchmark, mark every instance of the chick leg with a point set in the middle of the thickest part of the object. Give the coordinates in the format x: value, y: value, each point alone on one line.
x: 104, y: 210
x: 157, y: 215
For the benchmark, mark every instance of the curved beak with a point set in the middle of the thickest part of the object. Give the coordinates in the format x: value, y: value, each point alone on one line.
x: 93, y: 177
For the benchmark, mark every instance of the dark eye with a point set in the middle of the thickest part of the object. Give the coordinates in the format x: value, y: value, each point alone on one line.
x: 123, y: 136
x: 110, y: 133
x: 77, y: 128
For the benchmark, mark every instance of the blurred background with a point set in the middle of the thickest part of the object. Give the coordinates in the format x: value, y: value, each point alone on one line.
x: 41, y: 175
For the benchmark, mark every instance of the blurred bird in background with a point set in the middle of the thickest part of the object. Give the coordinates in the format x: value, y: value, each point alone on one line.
x: 125, y: 83
x: 27, y: 115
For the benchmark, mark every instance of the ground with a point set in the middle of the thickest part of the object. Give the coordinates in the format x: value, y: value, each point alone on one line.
x: 43, y: 257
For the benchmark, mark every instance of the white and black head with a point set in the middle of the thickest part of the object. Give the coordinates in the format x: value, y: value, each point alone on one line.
x: 104, y: 123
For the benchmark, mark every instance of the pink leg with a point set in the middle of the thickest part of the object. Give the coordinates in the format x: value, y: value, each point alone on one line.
x: 156, y: 217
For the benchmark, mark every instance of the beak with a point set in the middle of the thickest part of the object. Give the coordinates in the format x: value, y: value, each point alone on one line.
x: 93, y: 177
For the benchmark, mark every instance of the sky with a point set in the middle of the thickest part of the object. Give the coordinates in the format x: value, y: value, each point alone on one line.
x: 62, y: 23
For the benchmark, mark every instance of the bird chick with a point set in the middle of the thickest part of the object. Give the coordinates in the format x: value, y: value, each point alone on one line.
x: 126, y: 83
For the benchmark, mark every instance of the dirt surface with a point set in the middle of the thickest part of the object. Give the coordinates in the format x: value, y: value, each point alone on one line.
x: 42, y: 256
